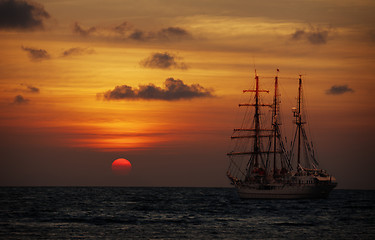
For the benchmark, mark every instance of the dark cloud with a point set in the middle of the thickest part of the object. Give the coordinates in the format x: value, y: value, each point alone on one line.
x: 313, y: 36
x: 165, y: 34
x: 36, y: 54
x: 20, y: 100
x: 319, y: 37
x: 163, y: 61
x: 139, y: 35
x: 173, y: 33
x: 122, y: 28
x: 77, y: 51
x: 81, y: 31
x: 175, y: 89
x: 339, y: 89
x: 30, y: 88
x: 298, y: 34
x: 126, y: 31
x: 22, y: 14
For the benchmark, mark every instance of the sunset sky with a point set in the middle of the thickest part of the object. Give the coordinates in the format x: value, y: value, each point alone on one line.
x: 158, y: 82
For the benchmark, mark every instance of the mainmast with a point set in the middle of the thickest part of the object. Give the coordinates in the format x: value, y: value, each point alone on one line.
x: 299, y: 123
x: 257, y: 122
x: 275, y: 124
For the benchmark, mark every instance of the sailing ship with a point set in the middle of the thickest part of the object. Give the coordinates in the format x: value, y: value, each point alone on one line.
x: 261, y: 166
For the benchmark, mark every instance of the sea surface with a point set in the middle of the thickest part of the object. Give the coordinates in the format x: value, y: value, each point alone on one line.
x: 179, y: 213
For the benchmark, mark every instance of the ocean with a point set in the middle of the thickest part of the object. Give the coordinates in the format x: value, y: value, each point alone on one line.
x: 179, y: 213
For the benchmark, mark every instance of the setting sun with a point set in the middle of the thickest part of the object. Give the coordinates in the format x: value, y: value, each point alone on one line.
x: 121, y: 167
x: 161, y: 80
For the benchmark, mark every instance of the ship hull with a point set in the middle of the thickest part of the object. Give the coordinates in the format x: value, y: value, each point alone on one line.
x: 300, y: 191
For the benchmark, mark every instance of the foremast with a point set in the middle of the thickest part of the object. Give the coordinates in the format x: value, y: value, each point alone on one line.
x: 257, y: 153
x: 259, y: 161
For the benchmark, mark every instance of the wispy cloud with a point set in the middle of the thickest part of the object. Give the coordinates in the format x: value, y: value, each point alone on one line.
x: 77, y: 51
x: 36, y: 54
x: 30, y: 88
x: 339, y: 89
x: 314, y: 35
x: 165, y: 34
x: 126, y: 31
x: 171, y: 33
x: 22, y: 14
x: 163, y: 61
x: 81, y: 31
x: 175, y: 89
x: 19, y: 99
x: 122, y: 28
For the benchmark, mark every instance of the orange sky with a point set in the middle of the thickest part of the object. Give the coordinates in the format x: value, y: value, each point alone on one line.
x: 62, y: 114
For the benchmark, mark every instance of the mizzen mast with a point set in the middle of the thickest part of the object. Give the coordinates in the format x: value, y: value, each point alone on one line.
x: 299, y: 120
x: 300, y: 134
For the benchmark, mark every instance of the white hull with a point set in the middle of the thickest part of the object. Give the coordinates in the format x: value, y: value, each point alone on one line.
x: 295, y: 191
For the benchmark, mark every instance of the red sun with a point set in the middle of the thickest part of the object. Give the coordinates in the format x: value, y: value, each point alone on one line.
x: 121, y: 166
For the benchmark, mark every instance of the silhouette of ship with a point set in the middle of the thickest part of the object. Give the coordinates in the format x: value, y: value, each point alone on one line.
x: 260, y: 165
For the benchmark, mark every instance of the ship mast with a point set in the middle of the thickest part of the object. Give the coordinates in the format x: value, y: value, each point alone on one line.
x: 300, y: 134
x: 260, y: 166
x: 256, y: 153
x: 275, y: 124
x: 257, y: 122
x: 299, y: 123
x: 257, y: 129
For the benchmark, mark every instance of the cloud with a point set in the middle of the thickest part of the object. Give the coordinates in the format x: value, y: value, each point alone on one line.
x: 313, y: 36
x: 165, y: 34
x: 163, y: 61
x: 298, y: 34
x: 36, y: 54
x: 122, y: 28
x: 20, y: 100
x: 83, y: 32
x: 22, y: 14
x: 339, y: 89
x: 30, y: 88
x: 173, y: 33
x: 319, y: 37
x: 126, y: 31
x: 175, y: 89
x: 139, y: 35
x: 77, y: 51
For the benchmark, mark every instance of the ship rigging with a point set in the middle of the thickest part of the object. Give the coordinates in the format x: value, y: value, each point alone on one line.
x: 260, y: 165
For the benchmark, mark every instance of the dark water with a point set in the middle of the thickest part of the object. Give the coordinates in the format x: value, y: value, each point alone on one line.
x: 182, y: 213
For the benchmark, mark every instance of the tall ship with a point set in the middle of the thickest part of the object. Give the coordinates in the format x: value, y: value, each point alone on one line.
x: 261, y: 166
